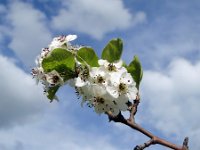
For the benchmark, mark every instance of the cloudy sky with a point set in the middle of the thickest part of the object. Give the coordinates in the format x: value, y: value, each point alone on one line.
x: 165, y: 34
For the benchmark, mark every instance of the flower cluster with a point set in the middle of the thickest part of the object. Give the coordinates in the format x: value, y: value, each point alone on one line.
x: 108, y: 87
x: 105, y: 86
x: 53, y: 78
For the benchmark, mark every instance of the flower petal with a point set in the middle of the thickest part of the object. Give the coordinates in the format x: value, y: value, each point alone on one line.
x: 113, y: 91
x: 70, y: 37
x: 102, y: 62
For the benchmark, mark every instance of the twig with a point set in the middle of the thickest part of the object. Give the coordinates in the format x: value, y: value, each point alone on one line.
x: 185, y: 144
x: 145, y: 145
x: 134, y: 108
x: 153, y: 139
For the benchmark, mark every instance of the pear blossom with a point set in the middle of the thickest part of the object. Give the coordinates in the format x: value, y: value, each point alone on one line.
x: 98, y: 75
x: 82, y: 77
x: 58, y: 42
x: 38, y: 74
x: 105, y: 92
x: 53, y: 78
x: 115, y: 69
x: 100, y: 100
x: 84, y: 92
x: 112, y: 67
x: 44, y: 52
x: 123, y: 85
x: 62, y: 42
x: 106, y: 89
x: 103, y: 104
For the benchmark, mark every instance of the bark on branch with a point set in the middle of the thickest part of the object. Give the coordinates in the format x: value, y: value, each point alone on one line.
x: 153, y: 139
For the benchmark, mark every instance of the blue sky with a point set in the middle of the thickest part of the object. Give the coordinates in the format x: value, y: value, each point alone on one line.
x: 163, y: 33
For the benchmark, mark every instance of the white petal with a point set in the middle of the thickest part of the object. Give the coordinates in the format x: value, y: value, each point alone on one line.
x: 102, y: 62
x: 98, y: 90
x: 132, y: 93
x: 113, y: 91
x: 93, y: 71
x: 79, y: 82
x: 101, y: 71
x: 99, y: 109
x: 126, y: 78
x: 122, y: 70
x: 121, y: 102
x: 71, y: 37
x: 115, y: 112
x: 86, y: 90
x: 118, y: 64
x: 115, y: 78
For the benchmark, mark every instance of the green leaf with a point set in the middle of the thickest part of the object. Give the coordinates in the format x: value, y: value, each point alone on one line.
x: 60, y: 60
x: 51, y: 92
x: 135, y: 69
x: 67, y: 73
x: 87, y: 55
x: 113, y: 50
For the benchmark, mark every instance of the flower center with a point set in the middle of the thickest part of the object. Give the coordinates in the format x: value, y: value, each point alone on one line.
x: 100, y: 79
x: 99, y: 100
x: 111, y: 67
x: 82, y: 72
x: 61, y: 38
x: 122, y: 88
x: 55, y: 79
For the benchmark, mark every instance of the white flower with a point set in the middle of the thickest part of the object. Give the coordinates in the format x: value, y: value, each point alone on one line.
x: 58, y: 42
x: 38, y: 74
x: 79, y: 82
x: 123, y: 85
x: 101, y: 100
x: 44, y: 52
x: 115, y: 70
x: 53, y: 78
x: 84, y: 92
x: 121, y: 102
x: 112, y: 67
x: 83, y: 75
x: 127, y: 86
x: 62, y: 42
x: 106, y: 90
x: 115, y: 81
x: 98, y: 75
x: 104, y: 104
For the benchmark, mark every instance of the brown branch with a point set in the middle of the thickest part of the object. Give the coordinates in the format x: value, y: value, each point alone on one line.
x: 134, y: 106
x: 153, y: 139
x: 145, y: 145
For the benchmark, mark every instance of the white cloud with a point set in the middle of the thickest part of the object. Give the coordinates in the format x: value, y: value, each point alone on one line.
x: 29, y: 31
x: 96, y: 18
x: 21, y: 99
x: 173, y: 100
x: 169, y: 33
x: 50, y: 133
x: 27, y: 124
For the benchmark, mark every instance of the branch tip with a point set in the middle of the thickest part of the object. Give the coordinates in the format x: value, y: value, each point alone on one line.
x: 185, y: 144
x: 137, y: 148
